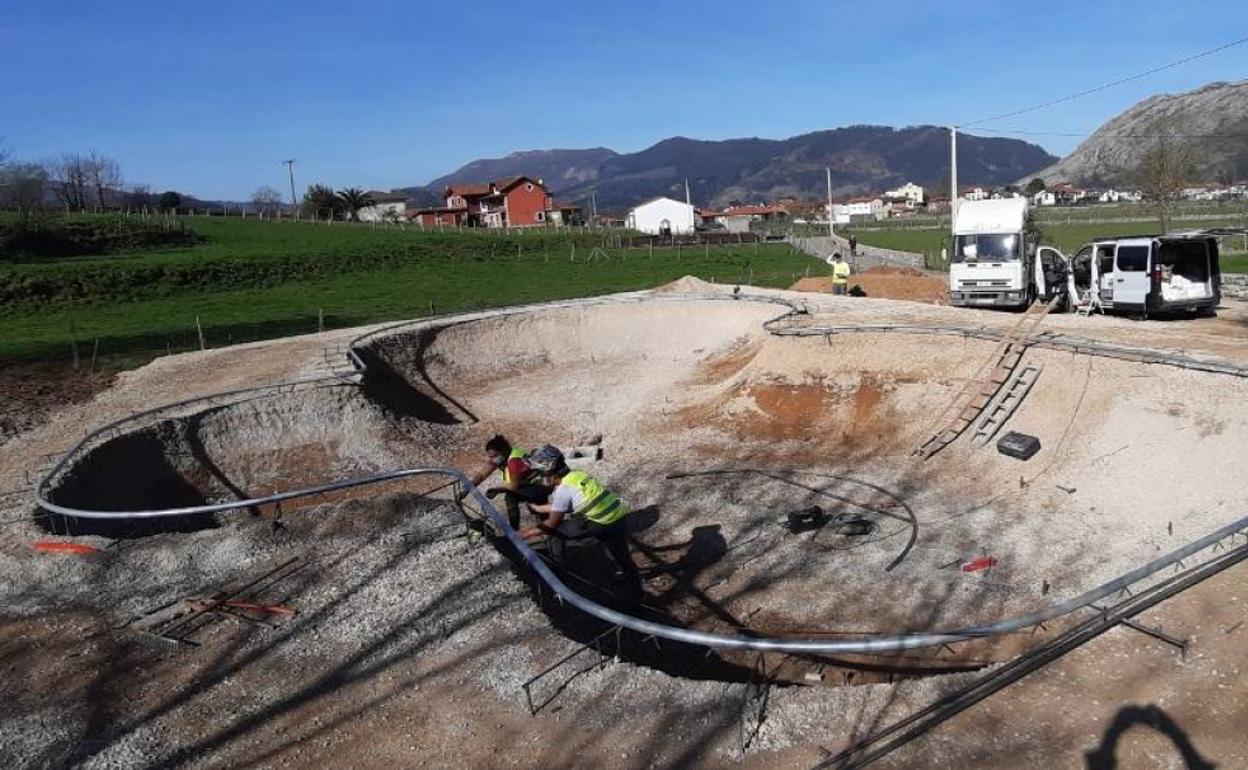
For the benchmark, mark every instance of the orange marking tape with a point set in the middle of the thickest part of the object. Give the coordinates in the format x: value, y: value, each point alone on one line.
x: 54, y: 546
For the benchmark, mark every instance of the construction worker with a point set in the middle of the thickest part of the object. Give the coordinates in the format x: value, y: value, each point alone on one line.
x: 582, y: 507
x: 840, y: 274
x: 520, y: 482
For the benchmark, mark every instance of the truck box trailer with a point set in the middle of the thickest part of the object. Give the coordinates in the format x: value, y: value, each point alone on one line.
x: 995, y: 261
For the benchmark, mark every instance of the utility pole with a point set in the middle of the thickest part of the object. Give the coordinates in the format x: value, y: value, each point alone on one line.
x: 831, y: 220
x: 294, y: 204
x: 593, y: 206
x: 953, y: 173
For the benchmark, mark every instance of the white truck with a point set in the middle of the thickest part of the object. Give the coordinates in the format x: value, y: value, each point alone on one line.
x: 993, y: 263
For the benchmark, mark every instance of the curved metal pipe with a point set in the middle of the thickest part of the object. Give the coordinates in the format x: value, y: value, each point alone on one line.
x: 867, y: 643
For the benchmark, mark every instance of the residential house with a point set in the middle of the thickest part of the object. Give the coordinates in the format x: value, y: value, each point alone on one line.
x: 564, y: 215
x: 387, y: 207
x: 709, y: 217
x: 1044, y: 198
x: 974, y: 194
x: 909, y: 192
x: 1119, y: 196
x: 1066, y: 194
x: 517, y: 201
x: 663, y: 216
x: 859, y: 209
x: 737, y: 219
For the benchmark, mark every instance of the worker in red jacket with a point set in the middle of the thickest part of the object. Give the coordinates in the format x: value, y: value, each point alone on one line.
x: 520, y: 482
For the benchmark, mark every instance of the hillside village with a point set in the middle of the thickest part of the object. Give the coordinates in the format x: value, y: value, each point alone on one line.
x: 522, y: 201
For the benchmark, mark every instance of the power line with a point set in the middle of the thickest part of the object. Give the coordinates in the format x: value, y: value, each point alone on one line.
x: 1105, y: 86
x: 1120, y: 135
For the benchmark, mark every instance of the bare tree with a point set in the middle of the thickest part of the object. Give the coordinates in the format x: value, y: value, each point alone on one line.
x: 104, y: 176
x: 1167, y: 166
x: 69, y: 178
x: 266, y: 200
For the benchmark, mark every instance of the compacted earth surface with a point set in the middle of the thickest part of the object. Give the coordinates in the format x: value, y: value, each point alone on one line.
x: 383, y: 625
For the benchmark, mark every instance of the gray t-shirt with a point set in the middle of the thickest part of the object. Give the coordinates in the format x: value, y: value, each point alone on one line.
x: 566, y: 499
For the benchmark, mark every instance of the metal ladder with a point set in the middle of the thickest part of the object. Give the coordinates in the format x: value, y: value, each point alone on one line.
x: 979, y: 390
x: 335, y: 363
x: 1089, y: 303
x: 1005, y: 404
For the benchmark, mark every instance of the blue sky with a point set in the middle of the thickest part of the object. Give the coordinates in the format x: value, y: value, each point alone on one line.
x: 208, y: 98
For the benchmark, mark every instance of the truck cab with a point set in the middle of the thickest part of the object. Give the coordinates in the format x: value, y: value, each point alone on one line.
x: 992, y: 263
x: 1150, y: 274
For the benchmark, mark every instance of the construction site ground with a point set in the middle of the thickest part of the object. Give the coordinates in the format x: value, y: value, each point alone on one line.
x: 412, y: 642
x: 885, y: 282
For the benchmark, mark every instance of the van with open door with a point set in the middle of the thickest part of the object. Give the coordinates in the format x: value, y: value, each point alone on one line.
x: 1149, y: 274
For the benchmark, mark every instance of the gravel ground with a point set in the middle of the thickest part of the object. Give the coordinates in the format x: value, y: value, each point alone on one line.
x: 411, y: 639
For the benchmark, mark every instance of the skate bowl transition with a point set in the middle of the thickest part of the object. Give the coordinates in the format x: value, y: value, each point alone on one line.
x: 717, y: 417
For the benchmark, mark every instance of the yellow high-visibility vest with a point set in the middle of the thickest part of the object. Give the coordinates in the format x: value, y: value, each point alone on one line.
x: 601, y: 505
x: 840, y: 272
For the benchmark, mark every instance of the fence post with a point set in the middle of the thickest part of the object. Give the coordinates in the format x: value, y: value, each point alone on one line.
x: 320, y: 319
x: 73, y: 342
x: 200, y: 329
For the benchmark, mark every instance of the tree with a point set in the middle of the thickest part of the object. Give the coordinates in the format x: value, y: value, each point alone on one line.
x: 23, y: 187
x: 320, y: 200
x: 353, y: 199
x: 170, y: 201
x: 70, y: 179
x: 140, y: 197
x: 1036, y: 185
x: 266, y: 200
x: 1166, y: 167
x: 104, y: 176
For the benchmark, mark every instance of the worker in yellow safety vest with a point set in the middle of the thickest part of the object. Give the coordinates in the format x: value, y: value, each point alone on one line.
x: 840, y: 274
x: 582, y: 507
x: 521, y: 484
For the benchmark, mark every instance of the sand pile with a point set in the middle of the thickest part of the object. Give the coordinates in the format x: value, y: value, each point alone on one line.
x: 888, y: 283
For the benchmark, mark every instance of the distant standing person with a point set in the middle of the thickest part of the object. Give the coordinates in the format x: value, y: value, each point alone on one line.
x: 853, y: 245
x: 840, y: 274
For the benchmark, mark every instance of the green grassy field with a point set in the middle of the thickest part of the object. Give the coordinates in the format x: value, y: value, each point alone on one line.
x: 253, y: 280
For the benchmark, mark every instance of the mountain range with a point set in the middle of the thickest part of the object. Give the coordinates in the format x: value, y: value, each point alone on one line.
x: 1211, y: 120
x: 863, y: 159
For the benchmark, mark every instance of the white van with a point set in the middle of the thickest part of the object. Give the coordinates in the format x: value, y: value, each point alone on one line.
x: 1150, y: 274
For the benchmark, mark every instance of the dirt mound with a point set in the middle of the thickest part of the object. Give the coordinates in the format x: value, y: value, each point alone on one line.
x: 686, y: 285
x: 887, y: 283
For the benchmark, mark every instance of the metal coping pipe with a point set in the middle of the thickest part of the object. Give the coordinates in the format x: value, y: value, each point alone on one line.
x: 867, y: 643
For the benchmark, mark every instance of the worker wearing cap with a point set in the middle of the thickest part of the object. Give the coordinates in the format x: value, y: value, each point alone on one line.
x: 520, y: 482
x: 580, y: 507
x: 840, y: 274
